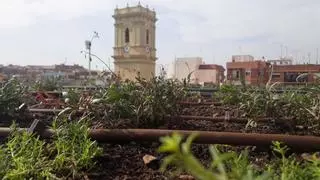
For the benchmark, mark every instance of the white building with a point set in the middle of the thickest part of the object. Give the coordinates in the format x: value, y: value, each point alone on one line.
x: 242, y: 58
x: 182, y: 67
x: 201, y: 73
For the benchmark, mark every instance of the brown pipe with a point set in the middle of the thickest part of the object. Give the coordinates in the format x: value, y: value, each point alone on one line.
x: 306, y: 143
x: 226, y: 119
x: 200, y: 103
x: 45, y: 110
x: 206, y: 137
x: 5, y: 132
x: 214, y: 119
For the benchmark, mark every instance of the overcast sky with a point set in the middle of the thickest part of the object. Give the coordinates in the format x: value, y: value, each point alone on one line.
x: 53, y: 31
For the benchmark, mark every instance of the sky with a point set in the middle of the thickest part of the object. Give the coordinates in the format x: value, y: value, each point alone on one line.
x: 45, y: 32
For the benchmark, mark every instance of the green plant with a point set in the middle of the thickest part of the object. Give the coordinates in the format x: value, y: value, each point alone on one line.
x: 72, y: 97
x: 48, y: 84
x: 182, y: 157
x: 287, y: 168
x: 231, y: 166
x: 145, y: 102
x: 11, y: 97
x: 24, y: 157
x: 74, y: 149
x: 229, y: 94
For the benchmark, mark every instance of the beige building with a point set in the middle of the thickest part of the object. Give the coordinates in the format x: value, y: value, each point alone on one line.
x: 182, y: 67
x: 201, y: 73
x: 209, y: 74
x: 134, y: 49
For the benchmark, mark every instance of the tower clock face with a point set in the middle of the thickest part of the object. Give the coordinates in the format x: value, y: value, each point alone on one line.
x: 126, y: 49
x: 147, y: 49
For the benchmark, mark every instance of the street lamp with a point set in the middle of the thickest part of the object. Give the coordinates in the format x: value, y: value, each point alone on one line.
x: 88, y: 48
x: 90, y: 54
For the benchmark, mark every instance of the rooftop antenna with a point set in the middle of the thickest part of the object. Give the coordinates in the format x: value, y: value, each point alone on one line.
x: 309, y: 57
x: 295, y: 57
x: 281, y: 46
x: 317, y: 56
x: 286, y: 47
x: 175, y: 66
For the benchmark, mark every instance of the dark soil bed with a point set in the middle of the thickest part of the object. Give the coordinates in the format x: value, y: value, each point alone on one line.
x: 125, y: 161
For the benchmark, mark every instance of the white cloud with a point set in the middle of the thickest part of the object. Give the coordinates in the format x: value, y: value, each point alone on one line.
x: 219, y: 26
x: 16, y: 13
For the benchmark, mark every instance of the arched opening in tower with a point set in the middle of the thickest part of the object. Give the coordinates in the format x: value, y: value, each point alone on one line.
x: 147, y: 36
x: 127, y: 36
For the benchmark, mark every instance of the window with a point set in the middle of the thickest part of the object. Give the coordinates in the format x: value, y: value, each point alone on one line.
x: 237, y: 74
x: 261, y: 73
x: 147, y: 36
x: 275, y: 76
x: 248, y: 72
x: 127, y: 37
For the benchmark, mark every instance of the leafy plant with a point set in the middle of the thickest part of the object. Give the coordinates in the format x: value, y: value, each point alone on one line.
x: 74, y: 149
x: 11, y: 97
x: 229, y: 94
x: 48, y: 84
x: 146, y: 102
x: 231, y: 166
x: 24, y: 157
x: 182, y: 157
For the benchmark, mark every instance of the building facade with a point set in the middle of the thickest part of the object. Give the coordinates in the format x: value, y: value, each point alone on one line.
x: 200, y: 73
x: 209, y: 74
x: 283, y: 71
x: 68, y: 74
x: 182, y: 67
x: 295, y: 74
x: 247, y: 70
x: 134, y: 46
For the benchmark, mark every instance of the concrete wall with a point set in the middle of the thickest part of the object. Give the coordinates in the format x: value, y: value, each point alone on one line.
x: 181, y: 68
x: 207, y: 76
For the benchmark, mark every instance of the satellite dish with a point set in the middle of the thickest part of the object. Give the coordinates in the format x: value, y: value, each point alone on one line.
x: 301, y: 77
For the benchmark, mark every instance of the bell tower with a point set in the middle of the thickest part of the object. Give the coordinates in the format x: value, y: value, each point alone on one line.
x: 134, y: 49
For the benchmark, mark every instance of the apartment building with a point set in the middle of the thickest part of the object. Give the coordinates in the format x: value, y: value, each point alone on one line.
x: 257, y: 72
x: 243, y: 68
x: 200, y: 73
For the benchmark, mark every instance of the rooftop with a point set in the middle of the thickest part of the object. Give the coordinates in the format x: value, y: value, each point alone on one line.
x: 210, y: 66
x: 134, y: 10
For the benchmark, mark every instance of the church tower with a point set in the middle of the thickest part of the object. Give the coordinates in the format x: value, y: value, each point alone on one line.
x: 134, y: 49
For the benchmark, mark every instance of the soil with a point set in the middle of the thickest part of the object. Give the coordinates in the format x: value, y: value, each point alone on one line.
x: 125, y: 161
